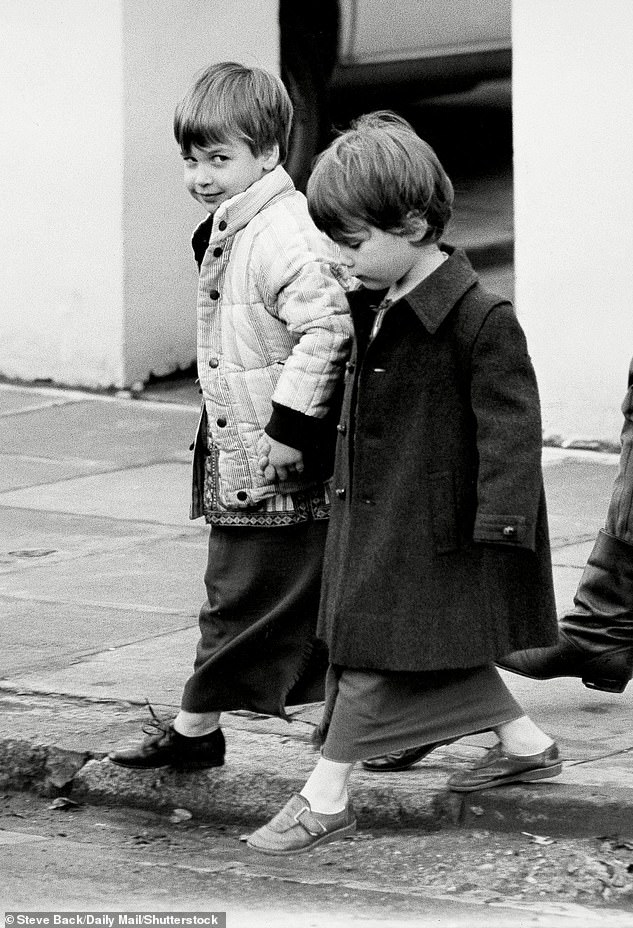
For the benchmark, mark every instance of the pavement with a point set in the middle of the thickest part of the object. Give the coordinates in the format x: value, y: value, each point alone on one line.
x: 100, y: 586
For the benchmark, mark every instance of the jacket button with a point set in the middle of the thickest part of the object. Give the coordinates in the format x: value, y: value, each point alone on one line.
x: 342, y: 428
x: 340, y: 492
x: 368, y: 501
x: 509, y: 531
x: 217, y: 252
x: 213, y: 362
x: 222, y: 225
x: 192, y: 446
x: 242, y: 495
x: 221, y: 422
x: 214, y: 294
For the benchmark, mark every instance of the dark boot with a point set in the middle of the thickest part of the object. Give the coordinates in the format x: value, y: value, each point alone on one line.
x: 596, y: 637
x: 165, y: 747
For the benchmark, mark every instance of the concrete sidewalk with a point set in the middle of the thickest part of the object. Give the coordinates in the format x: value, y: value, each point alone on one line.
x: 100, y: 586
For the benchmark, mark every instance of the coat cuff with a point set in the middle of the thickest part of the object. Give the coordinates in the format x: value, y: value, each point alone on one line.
x: 513, y: 531
x: 294, y: 428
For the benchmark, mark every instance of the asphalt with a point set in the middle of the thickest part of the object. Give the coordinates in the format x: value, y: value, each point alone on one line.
x: 100, y: 585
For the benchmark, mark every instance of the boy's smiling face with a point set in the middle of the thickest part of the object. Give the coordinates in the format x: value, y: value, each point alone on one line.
x: 219, y: 172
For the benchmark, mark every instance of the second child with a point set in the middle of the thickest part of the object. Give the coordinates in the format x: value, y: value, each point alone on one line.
x: 438, y: 560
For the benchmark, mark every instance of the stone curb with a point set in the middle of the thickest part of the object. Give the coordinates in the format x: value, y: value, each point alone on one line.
x: 263, y: 769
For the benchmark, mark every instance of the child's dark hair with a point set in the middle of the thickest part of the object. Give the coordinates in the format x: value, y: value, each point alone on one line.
x: 231, y: 102
x: 379, y: 173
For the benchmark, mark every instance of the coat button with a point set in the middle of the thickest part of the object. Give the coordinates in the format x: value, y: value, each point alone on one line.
x: 213, y: 362
x: 242, y: 495
x: 368, y: 502
x: 221, y: 422
x: 214, y: 294
x: 340, y: 492
x: 222, y: 225
x: 192, y: 446
x: 342, y: 428
x: 217, y: 252
x: 509, y: 531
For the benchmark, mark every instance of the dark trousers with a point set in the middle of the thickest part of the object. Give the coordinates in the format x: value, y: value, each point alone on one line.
x: 257, y: 648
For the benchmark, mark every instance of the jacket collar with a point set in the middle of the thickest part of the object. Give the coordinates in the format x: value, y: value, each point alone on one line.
x: 434, y: 297
x: 234, y: 214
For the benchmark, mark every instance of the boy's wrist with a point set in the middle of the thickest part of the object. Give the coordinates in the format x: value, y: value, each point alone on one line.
x: 293, y: 428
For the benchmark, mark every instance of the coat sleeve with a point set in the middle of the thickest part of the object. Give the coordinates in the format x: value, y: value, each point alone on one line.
x: 304, y: 293
x: 505, y: 402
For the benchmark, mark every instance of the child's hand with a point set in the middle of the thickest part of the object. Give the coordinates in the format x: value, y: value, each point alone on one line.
x: 278, y: 460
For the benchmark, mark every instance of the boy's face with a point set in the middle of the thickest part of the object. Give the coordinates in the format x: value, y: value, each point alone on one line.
x: 217, y: 173
x: 379, y: 259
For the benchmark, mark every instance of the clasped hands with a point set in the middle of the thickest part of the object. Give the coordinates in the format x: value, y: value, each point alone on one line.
x: 276, y: 460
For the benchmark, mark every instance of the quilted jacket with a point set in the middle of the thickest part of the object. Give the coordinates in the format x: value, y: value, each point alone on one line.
x: 274, y: 331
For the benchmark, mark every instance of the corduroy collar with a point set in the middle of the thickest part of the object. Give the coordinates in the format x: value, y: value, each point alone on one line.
x: 435, y: 296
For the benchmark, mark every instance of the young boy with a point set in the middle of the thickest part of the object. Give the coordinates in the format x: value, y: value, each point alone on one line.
x: 437, y: 559
x: 273, y: 335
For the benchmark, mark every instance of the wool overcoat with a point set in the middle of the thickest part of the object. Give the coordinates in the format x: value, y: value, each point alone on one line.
x: 438, y: 552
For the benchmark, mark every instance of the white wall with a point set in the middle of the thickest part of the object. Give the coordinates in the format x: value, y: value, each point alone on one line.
x: 166, y: 43
x: 61, y: 280
x: 573, y: 136
x: 97, y: 283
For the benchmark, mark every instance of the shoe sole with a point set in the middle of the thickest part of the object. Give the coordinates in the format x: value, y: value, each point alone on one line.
x: 325, y: 839
x: 528, y: 776
x: 181, y: 767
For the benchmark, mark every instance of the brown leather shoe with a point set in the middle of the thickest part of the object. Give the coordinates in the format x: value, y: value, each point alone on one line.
x: 401, y: 760
x: 498, y: 767
x: 168, y: 748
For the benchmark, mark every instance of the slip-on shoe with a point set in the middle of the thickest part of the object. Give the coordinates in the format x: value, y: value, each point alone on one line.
x: 297, y: 829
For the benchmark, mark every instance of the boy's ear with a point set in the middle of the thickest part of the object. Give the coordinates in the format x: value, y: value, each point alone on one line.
x: 270, y: 157
x: 417, y: 227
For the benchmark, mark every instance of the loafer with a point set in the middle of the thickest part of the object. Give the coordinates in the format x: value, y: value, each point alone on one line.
x: 165, y: 747
x: 499, y: 767
x: 401, y: 760
x: 297, y: 829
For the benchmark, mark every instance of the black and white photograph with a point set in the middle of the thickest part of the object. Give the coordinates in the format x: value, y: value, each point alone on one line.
x: 316, y: 464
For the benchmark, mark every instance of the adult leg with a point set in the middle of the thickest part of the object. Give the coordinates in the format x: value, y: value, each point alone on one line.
x: 596, y: 636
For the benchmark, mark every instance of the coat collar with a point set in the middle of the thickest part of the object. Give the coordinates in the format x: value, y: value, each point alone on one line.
x: 435, y: 296
x: 234, y: 214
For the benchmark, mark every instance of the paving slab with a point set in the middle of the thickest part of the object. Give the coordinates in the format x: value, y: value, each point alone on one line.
x: 161, y: 575
x: 48, y: 641
x: 578, y: 490
x: 158, y: 493
x: 97, y: 430
x: 154, y: 667
x: 33, y: 537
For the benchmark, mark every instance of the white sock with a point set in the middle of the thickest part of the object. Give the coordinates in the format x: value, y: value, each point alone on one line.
x: 196, y: 724
x: 326, y: 788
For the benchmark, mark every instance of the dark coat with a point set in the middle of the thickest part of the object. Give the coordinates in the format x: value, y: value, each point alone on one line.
x: 438, y: 553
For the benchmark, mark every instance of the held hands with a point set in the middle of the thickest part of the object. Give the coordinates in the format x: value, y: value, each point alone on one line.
x: 278, y: 460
